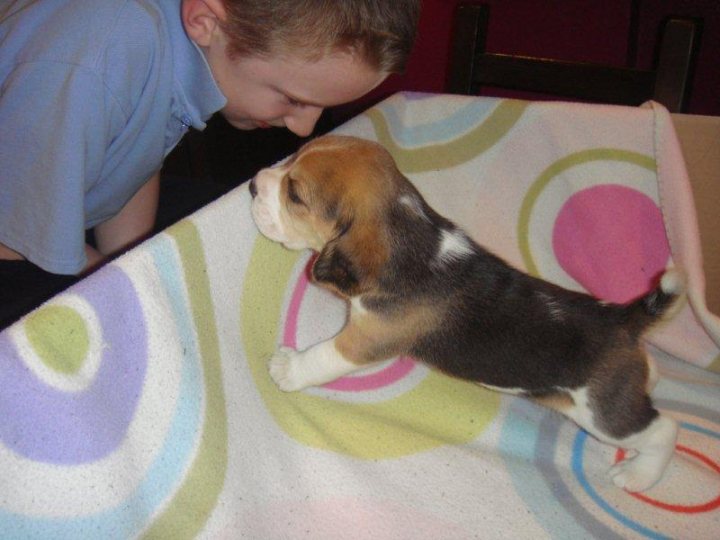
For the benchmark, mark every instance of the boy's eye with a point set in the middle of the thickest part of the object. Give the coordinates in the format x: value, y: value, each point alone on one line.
x: 294, y: 102
x: 292, y: 192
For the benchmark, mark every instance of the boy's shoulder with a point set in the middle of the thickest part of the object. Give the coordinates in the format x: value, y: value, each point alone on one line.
x: 77, y: 31
x: 112, y: 45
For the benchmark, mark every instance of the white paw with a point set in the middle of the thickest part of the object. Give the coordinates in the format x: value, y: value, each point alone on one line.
x: 637, y: 473
x: 655, y: 448
x: 284, y: 370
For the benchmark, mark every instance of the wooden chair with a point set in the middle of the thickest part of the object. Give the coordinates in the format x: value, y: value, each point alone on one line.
x: 471, y: 67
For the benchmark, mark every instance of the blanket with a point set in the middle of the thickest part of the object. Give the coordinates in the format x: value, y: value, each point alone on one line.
x: 138, y: 403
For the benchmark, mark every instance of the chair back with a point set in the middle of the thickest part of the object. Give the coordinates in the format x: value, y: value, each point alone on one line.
x: 472, y: 67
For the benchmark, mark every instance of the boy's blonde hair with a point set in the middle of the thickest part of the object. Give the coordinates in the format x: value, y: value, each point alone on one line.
x: 381, y: 32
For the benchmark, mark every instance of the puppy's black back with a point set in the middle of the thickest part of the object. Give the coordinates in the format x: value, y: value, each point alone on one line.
x: 498, y: 325
x: 507, y: 329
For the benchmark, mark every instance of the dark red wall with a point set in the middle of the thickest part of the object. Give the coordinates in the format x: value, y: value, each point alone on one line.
x: 584, y: 30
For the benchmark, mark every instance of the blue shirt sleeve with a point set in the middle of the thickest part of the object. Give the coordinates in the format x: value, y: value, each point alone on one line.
x: 56, y: 121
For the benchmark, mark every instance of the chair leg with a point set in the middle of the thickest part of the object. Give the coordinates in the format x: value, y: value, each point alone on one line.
x: 470, y: 24
x: 676, y: 58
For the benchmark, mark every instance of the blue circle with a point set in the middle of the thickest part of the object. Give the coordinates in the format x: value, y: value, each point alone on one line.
x: 577, y: 467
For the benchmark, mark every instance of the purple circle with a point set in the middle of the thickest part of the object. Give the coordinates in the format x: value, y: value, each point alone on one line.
x: 46, y: 424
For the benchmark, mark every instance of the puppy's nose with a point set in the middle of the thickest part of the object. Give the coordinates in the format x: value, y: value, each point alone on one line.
x: 253, y: 188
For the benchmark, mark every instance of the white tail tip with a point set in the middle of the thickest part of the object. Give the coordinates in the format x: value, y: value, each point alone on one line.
x: 672, y: 282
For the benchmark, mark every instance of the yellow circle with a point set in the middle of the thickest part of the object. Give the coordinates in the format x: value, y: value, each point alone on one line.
x: 556, y: 169
x: 438, y: 411
x: 59, y: 337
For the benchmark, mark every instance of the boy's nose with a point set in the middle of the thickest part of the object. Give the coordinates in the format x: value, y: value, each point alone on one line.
x: 302, y: 122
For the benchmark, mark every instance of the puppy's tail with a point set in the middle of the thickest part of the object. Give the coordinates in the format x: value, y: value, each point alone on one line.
x: 661, y: 303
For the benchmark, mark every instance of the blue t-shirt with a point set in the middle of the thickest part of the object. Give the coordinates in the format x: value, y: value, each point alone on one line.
x: 93, y: 96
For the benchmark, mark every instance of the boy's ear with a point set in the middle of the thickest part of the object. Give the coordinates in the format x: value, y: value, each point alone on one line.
x: 201, y: 19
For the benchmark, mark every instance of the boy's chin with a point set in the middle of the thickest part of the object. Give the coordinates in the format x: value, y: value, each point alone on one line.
x: 241, y: 124
x: 247, y: 124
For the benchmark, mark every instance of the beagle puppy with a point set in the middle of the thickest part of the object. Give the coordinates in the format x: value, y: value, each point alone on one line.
x: 419, y: 286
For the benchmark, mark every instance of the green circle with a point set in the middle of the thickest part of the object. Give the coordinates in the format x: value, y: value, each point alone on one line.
x: 438, y: 411
x: 553, y: 171
x: 443, y: 155
x: 59, y: 337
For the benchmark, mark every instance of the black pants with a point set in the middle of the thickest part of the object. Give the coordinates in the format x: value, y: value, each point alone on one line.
x: 24, y: 286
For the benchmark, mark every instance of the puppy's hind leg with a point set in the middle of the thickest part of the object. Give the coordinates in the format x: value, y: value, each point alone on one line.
x: 653, y: 374
x: 634, y: 426
x: 655, y: 446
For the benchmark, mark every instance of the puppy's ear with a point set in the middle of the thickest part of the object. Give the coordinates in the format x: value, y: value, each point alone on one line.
x: 352, y: 262
x: 334, y: 268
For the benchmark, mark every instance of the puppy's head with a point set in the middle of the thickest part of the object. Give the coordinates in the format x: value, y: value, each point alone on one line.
x: 331, y: 196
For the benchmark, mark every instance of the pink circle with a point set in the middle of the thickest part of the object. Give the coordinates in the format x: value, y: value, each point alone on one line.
x: 372, y: 381
x: 611, y: 239
x: 353, y: 383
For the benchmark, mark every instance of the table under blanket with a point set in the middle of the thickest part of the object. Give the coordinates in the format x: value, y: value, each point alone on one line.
x: 138, y: 402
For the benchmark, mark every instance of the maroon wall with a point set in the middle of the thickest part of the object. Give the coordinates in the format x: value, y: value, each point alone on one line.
x: 583, y: 30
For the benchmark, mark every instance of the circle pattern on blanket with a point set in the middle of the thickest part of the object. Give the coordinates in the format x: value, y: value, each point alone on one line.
x: 174, y: 449
x: 701, y: 458
x: 55, y: 416
x: 585, y: 241
x: 590, y: 221
x: 59, y: 337
x: 61, y: 343
x: 566, y: 465
x: 377, y: 382
x: 398, y: 409
x: 686, y: 464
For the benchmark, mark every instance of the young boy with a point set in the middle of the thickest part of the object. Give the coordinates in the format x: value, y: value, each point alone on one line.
x: 95, y: 93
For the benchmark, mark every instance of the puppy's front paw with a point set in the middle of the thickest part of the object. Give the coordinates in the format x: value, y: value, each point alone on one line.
x: 285, y: 370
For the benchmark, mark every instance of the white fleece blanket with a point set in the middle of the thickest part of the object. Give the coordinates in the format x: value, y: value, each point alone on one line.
x: 138, y: 402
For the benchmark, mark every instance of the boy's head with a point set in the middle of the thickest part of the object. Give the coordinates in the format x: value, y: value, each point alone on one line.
x: 280, y: 62
x: 381, y: 32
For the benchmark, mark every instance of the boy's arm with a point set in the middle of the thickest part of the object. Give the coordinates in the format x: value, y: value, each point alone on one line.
x: 133, y: 223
